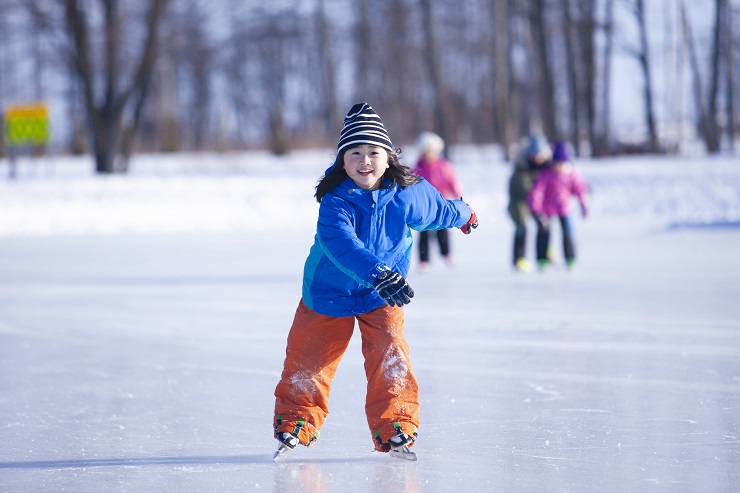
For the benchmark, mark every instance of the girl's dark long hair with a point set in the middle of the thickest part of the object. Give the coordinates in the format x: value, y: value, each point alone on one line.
x: 396, y: 174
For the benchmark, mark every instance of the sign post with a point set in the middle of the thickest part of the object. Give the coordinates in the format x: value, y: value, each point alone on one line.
x: 24, y: 126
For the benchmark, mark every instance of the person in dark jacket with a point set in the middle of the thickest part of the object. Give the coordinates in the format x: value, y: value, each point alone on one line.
x: 534, y: 157
x: 356, y: 270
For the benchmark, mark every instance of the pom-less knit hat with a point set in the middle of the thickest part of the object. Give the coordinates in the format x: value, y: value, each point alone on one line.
x: 560, y: 152
x: 537, y: 145
x: 429, y: 141
x: 363, y: 126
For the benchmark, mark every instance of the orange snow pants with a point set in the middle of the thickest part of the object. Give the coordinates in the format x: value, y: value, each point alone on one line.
x: 316, y: 344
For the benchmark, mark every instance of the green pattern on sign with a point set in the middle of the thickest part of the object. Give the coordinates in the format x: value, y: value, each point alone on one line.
x: 26, y: 125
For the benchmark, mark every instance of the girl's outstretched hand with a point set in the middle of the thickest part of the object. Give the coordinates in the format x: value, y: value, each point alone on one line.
x: 472, y: 223
x: 393, y: 288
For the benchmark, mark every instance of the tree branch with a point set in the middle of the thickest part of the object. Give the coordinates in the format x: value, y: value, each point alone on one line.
x: 148, y: 53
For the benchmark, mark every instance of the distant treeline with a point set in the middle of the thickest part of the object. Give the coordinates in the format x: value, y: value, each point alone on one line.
x: 177, y: 75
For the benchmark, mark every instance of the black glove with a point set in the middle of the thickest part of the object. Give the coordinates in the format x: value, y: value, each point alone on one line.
x: 393, y: 288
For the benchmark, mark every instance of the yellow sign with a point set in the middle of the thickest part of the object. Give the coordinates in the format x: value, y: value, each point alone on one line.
x: 26, y: 124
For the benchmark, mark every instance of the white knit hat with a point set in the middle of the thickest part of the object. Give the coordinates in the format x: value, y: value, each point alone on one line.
x: 429, y: 141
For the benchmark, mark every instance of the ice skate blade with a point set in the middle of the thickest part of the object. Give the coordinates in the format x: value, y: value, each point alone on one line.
x: 281, y: 449
x: 403, y: 453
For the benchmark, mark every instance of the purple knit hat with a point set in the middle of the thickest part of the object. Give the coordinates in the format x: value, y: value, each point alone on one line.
x: 560, y: 152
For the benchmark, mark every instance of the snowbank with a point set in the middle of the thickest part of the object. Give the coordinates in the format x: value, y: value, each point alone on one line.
x: 247, y: 191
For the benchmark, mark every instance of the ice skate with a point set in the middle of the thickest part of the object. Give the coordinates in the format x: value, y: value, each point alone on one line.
x: 286, y: 442
x: 400, y: 447
x: 522, y: 265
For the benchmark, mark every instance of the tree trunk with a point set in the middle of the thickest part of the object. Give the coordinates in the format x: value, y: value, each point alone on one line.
x: 713, y: 132
x: 278, y: 136
x: 368, y: 71
x: 130, y: 133
x: 729, y: 60
x: 332, y: 114
x: 501, y: 75
x: 433, y: 63
x: 644, y: 60
x: 694, y: 63
x: 574, y: 100
x: 547, y: 86
x: 105, y: 118
x: 3, y: 72
x: 588, y: 96
x: 604, y: 140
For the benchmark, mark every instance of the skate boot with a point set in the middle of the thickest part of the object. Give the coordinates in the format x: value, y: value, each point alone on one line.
x: 400, y: 446
x: 288, y: 440
x: 523, y: 265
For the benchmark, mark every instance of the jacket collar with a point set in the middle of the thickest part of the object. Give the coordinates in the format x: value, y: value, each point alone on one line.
x: 351, y: 192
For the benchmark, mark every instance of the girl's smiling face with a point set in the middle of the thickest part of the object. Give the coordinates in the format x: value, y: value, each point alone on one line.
x: 365, y: 164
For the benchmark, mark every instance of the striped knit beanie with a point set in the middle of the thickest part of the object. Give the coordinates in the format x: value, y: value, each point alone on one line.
x: 363, y: 126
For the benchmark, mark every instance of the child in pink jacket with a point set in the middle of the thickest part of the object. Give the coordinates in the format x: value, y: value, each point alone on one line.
x: 551, y: 196
x: 441, y: 175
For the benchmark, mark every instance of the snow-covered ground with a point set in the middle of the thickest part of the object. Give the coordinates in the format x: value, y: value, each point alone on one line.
x: 143, y: 321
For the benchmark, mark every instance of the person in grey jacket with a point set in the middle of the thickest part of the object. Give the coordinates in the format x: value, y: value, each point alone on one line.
x: 535, y: 156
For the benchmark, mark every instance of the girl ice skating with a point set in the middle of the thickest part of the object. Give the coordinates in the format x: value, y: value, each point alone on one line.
x: 356, y: 270
x: 551, y: 196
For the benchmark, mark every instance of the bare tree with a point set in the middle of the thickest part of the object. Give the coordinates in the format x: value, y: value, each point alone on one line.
x: 433, y: 62
x: 572, y: 64
x: 604, y: 139
x: 730, y: 86
x: 502, y: 74
x: 197, y: 62
x: 546, y: 89
x: 370, y: 72
x: 3, y: 70
x: 105, y: 111
x: 708, y: 111
x: 642, y: 54
x: 695, y: 70
x: 327, y: 70
x: 587, y: 98
x: 712, y: 135
x: 644, y: 59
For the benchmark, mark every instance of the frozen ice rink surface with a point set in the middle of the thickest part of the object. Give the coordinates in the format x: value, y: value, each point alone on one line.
x: 146, y: 361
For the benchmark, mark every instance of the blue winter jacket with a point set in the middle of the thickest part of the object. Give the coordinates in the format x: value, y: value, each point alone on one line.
x: 361, y: 232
